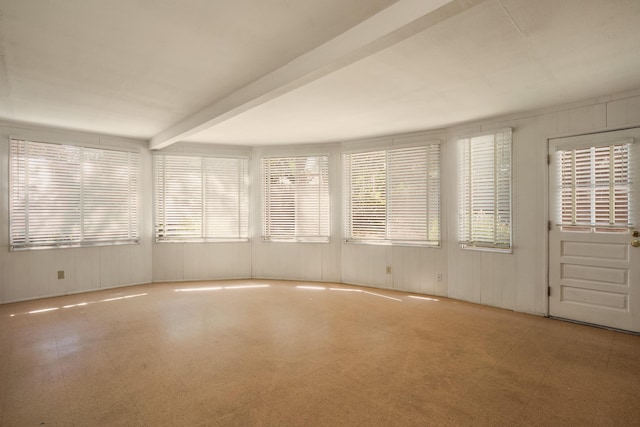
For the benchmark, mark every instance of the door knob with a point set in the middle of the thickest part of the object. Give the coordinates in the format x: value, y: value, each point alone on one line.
x: 635, y: 243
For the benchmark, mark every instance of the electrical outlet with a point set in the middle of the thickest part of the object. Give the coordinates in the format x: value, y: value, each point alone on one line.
x: 60, y: 274
x: 439, y: 277
x: 388, y: 270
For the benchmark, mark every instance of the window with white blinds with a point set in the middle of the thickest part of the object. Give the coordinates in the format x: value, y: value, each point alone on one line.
x: 393, y: 196
x: 67, y: 195
x: 295, y: 199
x: 200, y: 199
x: 594, y: 188
x: 484, y: 180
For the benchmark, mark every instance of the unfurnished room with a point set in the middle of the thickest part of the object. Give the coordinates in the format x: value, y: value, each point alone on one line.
x: 319, y: 212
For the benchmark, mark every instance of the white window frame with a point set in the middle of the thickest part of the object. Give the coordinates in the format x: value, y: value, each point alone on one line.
x: 74, y: 205
x: 502, y: 176
x: 301, y: 225
x: 432, y: 202
x: 163, y: 206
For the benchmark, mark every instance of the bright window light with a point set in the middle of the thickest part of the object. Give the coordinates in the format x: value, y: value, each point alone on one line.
x: 484, y: 187
x: 296, y: 199
x: 200, y: 199
x: 393, y: 196
x: 58, y: 199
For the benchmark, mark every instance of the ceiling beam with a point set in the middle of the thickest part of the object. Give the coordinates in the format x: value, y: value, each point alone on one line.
x: 398, y: 22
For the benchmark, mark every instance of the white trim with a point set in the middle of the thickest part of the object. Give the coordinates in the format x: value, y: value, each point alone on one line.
x: 392, y: 146
x: 579, y: 142
x: 198, y: 155
x: 55, y: 141
x: 470, y: 135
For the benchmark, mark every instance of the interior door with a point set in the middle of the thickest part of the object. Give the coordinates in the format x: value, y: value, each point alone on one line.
x: 594, y: 236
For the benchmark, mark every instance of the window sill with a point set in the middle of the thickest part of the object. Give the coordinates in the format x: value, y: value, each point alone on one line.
x: 486, y: 249
x: 273, y: 240
x: 70, y: 246
x: 161, y: 241
x: 393, y: 243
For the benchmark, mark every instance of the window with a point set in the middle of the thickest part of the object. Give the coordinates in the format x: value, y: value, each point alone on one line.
x: 296, y: 199
x: 393, y: 196
x: 67, y: 195
x: 200, y: 199
x: 594, y: 188
x: 485, y: 191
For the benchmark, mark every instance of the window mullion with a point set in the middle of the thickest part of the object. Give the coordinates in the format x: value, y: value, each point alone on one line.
x: 27, y: 169
x: 82, y: 190
x: 469, y: 184
x: 574, y: 184
x: 164, y: 196
x: 129, y: 196
x: 387, y: 195
x: 319, y: 195
x: 592, y: 185
x: 238, y: 196
x: 427, y: 158
x: 612, y: 179
x: 350, y: 207
x: 496, y: 207
x: 203, y: 205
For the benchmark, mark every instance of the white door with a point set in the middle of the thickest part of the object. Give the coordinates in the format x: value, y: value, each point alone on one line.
x: 594, y: 264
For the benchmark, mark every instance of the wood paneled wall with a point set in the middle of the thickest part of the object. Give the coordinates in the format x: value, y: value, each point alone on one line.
x: 514, y: 281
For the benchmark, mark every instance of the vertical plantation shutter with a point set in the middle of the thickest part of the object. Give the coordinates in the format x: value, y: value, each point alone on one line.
x: 296, y: 198
x: 485, y: 191
x: 200, y: 199
x: 393, y: 196
x: 65, y: 195
x: 594, y: 188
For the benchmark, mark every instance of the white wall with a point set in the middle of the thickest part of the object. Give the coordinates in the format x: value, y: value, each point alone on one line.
x: 34, y: 273
x: 514, y: 281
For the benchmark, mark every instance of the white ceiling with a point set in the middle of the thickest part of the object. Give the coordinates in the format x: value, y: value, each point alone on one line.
x: 255, y: 72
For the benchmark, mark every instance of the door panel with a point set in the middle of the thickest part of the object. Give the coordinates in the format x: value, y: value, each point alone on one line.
x: 594, y: 272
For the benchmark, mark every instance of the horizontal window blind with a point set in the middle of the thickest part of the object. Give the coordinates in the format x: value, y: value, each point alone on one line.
x: 200, y: 199
x: 66, y: 195
x: 296, y: 198
x: 485, y: 191
x: 393, y: 196
x: 594, y: 188
x: 365, y: 192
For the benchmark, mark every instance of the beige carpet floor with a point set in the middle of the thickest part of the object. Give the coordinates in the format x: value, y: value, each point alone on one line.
x: 273, y: 353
